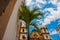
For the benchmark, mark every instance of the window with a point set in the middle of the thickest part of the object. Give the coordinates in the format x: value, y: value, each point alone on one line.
x: 43, y: 31
x: 23, y: 37
x: 46, y: 31
x: 23, y: 30
x: 46, y: 36
x: 35, y: 35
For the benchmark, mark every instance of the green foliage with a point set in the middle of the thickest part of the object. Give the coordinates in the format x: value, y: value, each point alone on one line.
x: 36, y: 28
x: 28, y: 15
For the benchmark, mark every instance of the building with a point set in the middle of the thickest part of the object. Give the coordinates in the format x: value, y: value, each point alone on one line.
x: 43, y: 35
x: 35, y: 35
x: 22, y: 32
x: 8, y: 19
x: 58, y: 29
x: 3, y: 5
x: 6, y: 8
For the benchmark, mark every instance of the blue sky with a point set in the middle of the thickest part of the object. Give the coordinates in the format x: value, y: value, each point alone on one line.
x: 51, y: 18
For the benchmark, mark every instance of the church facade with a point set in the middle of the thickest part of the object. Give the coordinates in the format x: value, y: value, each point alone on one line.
x: 42, y: 35
x: 35, y: 35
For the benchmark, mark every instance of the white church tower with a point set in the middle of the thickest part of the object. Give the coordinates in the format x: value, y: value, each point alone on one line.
x: 23, y: 32
x: 45, y: 33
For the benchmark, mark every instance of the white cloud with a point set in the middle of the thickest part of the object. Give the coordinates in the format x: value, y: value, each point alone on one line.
x: 40, y: 21
x: 53, y: 2
x: 59, y: 21
x: 53, y: 16
x: 58, y: 4
x: 39, y: 6
x: 53, y: 32
x: 41, y: 1
x: 28, y: 2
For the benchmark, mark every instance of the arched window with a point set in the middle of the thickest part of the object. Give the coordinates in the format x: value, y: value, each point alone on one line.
x: 46, y: 36
x: 23, y: 37
x: 35, y: 35
x: 23, y: 30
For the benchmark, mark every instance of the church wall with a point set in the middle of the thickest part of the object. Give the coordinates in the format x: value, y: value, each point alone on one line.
x: 21, y: 36
x: 25, y: 30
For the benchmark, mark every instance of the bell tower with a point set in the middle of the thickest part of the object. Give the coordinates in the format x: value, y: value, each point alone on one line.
x: 44, y: 33
x: 23, y: 32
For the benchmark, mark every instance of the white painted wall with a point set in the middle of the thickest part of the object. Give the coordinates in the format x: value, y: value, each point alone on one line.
x: 25, y: 30
x: 21, y: 36
x: 11, y: 30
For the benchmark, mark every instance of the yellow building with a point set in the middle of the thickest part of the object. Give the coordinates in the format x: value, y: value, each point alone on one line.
x: 43, y: 35
x: 35, y: 35
x: 22, y: 32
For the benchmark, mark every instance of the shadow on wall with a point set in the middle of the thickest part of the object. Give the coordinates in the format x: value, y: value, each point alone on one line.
x: 3, y: 5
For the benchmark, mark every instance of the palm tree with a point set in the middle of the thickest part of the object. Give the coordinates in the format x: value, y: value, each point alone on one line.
x: 28, y: 15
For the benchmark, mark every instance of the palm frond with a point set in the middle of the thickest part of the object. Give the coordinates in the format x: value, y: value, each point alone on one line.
x: 33, y: 24
x: 36, y: 16
x: 28, y: 15
x: 24, y: 13
x: 34, y: 10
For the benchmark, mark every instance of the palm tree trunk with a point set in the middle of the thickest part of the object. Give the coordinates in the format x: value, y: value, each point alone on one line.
x: 28, y: 31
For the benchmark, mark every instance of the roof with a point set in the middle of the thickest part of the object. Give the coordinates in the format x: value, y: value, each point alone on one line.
x: 42, y: 26
x: 35, y: 34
